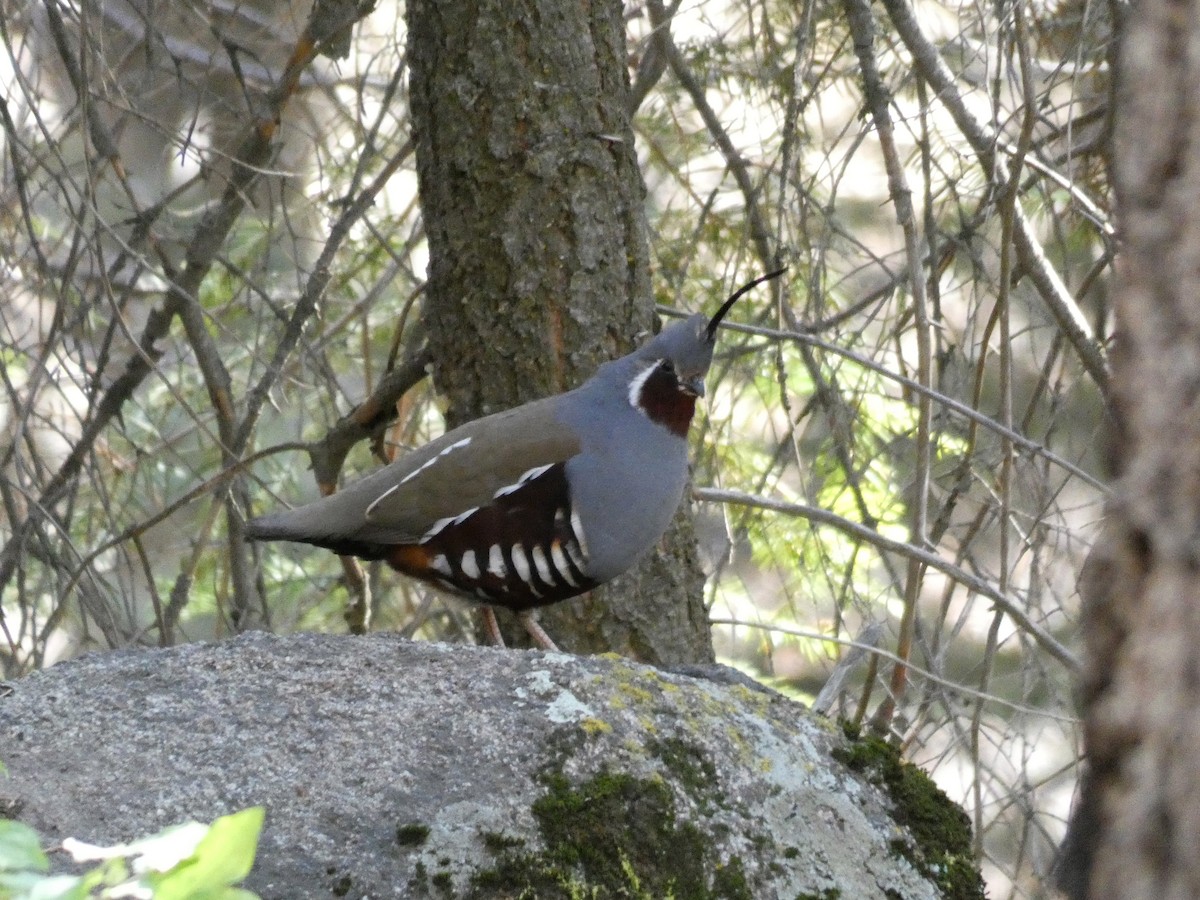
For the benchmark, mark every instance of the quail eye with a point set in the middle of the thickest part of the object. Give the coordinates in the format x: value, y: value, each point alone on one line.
x: 667, y: 366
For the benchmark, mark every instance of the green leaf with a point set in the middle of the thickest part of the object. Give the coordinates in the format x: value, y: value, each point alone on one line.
x: 222, y: 858
x: 20, y: 848
x: 32, y: 886
x: 167, y: 849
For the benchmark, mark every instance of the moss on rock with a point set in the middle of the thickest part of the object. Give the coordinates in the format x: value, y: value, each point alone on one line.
x: 612, y: 835
x: 940, y: 847
x: 412, y: 834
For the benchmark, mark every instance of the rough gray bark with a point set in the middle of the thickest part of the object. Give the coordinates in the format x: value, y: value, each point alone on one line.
x: 539, y: 265
x: 1137, y: 834
x: 396, y: 769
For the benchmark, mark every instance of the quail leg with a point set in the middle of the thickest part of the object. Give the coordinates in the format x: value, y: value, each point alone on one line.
x: 536, y: 631
x: 491, y: 628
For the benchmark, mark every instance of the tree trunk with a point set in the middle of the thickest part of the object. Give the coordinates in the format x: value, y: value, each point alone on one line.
x: 539, y: 265
x: 1137, y: 834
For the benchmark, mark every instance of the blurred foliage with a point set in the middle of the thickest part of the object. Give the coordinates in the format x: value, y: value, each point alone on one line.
x: 183, y: 862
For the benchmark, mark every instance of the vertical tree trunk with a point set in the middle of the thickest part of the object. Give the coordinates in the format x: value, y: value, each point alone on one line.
x: 1139, y: 827
x: 539, y: 265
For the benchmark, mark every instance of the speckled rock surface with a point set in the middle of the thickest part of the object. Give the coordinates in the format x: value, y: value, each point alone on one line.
x: 397, y: 769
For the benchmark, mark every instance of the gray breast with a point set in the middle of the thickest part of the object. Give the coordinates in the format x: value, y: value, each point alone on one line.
x: 625, y: 486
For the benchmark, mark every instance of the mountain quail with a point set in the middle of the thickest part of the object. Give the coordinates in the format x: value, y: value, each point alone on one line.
x: 539, y: 503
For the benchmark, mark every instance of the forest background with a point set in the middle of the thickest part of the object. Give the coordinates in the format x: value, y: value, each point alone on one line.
x: 214, y: 259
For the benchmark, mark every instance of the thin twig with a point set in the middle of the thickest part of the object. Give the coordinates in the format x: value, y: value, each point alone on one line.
x: 952, y: 405
x: 972, y: 582
x: 878, y: 99
x: 983, y: 140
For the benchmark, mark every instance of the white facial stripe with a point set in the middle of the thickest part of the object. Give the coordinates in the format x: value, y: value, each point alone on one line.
x: 413, y: 474
x: 635, y: 386
x: 496, y: 565
x: 542, y: 564
x: 561, y: 564
x: 440, y: 565
x: 469, y: 566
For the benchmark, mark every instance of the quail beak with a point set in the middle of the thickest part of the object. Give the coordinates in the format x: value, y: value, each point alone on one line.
x: 694, y: 386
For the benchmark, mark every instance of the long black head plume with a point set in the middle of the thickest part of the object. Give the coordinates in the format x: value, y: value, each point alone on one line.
x: 711, y: 331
